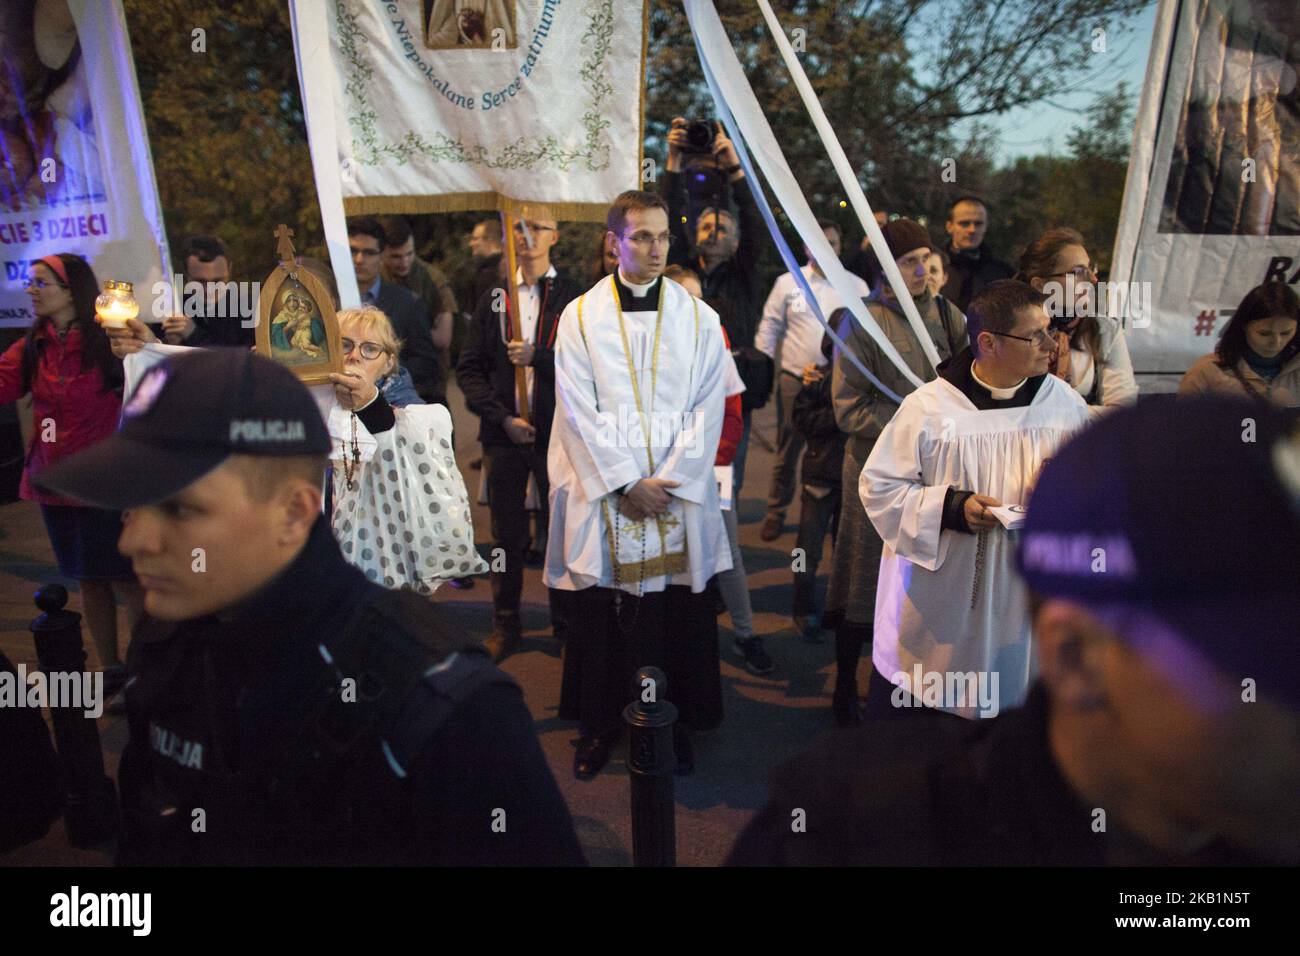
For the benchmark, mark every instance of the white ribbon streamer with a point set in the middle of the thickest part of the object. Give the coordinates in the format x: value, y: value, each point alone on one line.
x: 720, y: 59
x: 850, y: 183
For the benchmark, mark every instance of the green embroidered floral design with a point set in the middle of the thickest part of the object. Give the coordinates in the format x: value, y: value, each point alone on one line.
x: 524, y: 153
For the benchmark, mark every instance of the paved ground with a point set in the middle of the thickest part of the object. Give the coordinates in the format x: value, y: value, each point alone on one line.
x: 767, y: 720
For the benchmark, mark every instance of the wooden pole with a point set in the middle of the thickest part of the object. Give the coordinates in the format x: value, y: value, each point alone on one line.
x: 512, y: 290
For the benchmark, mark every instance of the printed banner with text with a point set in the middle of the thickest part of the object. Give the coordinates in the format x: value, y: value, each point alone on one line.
x: 77, y: 174
x: 449, y: 105
x: 1212, y: 202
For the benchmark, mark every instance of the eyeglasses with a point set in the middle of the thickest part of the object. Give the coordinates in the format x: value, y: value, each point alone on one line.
x: 369, y: 350
x: 1041, y: 337
x: 368, y: 253
x: 643, y: 240
x: 1079, y: 272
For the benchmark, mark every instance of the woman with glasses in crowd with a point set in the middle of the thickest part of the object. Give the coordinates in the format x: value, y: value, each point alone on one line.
x: 1258, y: 354
x: 75, y: 381
x: 1092, y: 354
x: 400, y: 510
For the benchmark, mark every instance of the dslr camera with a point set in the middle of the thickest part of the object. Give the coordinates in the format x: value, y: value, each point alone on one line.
x: 699, y: 136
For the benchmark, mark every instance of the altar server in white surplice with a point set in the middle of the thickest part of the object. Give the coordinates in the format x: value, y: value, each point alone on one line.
x: 636, y: 529
x: 952, y: 625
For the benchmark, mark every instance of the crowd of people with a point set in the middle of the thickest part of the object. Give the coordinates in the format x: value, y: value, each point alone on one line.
x: 615, y: 403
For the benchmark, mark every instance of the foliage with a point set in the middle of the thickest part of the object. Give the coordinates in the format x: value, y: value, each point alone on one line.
x: 894, y: 76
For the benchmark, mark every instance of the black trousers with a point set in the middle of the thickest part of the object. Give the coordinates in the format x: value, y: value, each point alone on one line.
x: 673, y: 630
x: 880, y: 702
x: 508, y: 468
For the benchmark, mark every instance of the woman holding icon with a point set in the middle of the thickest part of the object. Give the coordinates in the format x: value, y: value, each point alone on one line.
x: 401, y: 512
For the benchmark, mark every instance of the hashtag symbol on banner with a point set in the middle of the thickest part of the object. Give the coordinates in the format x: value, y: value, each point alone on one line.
x: 1205, y: 322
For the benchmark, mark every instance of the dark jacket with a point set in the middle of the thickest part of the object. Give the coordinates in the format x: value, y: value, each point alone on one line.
x: 419, y: 355
x: 927, y: 790
x: 967, y: 274
x: 487, y: 376
x: 244, y: 715
x: 32, y: 795
x: 814, y: 418
x: 733, y: 289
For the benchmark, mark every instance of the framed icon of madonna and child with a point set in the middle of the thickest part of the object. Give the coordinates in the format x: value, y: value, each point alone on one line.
x: 296, y: 324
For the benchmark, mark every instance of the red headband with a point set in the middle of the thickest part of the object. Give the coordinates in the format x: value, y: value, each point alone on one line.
x: 57, y: 266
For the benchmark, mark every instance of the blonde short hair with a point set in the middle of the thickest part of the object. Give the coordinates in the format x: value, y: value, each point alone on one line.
x: 373, y: 323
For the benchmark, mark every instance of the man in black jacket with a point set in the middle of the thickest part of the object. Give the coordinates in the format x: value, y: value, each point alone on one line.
x: 515, y: 430
x: 1162, y: 730
x: 819, y: 504
x: 972, y: 264
x: 207, y: 262
x: 725, y: 254
x: 367, y: 240
x: 283, y: 709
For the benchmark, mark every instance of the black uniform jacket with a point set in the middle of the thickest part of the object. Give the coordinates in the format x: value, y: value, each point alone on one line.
x: 487, y: 376
x: 245, y: 749
x: 928, y: 790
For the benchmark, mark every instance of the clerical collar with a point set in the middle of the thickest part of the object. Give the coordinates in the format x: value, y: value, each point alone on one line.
x: 999, y: 394
x: 630, y: 293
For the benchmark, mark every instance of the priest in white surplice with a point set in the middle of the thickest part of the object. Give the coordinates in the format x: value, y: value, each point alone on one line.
x: 951, y: 623
x: 636, y: 529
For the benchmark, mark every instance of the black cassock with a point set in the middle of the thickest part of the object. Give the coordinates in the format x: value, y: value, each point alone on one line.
x: 604, y: 645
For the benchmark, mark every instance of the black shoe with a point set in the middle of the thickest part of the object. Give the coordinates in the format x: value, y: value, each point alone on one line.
x: 684, y: 753
x: 845, y: 707
x: 503, y: 641
x: 809, y: 626
x: 773, y: 526
x: 755, y: 658
x: 533, y: 558
x: 461, y: 584
x: 593, y: 753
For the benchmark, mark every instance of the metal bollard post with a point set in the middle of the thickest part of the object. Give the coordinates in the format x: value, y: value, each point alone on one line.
x: 650, y: 761
x: 91, y: 812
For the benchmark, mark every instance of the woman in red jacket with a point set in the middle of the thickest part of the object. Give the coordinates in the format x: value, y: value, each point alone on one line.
x: 75, y: 381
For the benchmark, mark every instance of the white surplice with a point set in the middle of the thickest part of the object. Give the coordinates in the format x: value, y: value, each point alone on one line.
x: 598, y: 444
x: 930, y: 608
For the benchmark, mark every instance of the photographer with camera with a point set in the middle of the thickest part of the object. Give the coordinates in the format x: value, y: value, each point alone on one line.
x: 703, y: 162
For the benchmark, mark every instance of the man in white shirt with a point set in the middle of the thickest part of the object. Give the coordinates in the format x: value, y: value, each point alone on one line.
x: 791, y: 335
x: 636, y: 527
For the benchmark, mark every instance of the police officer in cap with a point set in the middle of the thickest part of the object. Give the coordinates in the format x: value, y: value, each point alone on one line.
x: 1162, y: 729
x: 282, y: 708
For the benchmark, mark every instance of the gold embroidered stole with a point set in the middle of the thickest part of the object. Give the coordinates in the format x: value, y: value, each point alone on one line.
x: 623, y: 534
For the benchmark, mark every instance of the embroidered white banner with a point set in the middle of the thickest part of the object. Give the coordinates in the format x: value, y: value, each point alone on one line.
x: 448, y: 105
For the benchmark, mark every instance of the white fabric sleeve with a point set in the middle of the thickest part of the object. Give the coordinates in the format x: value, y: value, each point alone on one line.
x: 690, y: 460
x: 771, y: 327
x: 1118, y: 386
x: 600, y: 462
x: 408, y: 521
x: 906, y: 513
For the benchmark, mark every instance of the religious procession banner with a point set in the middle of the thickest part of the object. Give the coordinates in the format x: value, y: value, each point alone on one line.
x: 451, y: 105
x: 1212, y: 201
x: 76, y: 174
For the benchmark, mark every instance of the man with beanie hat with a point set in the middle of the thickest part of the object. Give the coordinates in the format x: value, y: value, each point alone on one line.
x: 1162, y: 728
x: 282, y: 708
x: 862, y: 411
